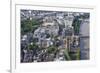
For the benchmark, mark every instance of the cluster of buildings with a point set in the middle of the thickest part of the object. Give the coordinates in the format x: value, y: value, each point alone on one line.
x: 55, y: 30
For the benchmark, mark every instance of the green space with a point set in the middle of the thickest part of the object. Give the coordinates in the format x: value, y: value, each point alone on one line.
x: 72, y: 55
x: 76, y: 25
x: 29, y: 25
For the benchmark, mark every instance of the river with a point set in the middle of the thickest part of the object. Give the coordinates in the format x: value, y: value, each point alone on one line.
x: 84, y: 39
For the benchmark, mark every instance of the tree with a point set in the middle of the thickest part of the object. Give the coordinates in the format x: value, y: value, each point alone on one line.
x: 32, y: 46
x: 76, y: 25
x: 28, y: 25
x: 51, y: 49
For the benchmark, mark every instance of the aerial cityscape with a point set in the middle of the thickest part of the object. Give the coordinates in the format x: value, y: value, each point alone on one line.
x: 48, y: 36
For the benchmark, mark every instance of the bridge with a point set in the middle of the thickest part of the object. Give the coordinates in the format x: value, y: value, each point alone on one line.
x: 84, y: 36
